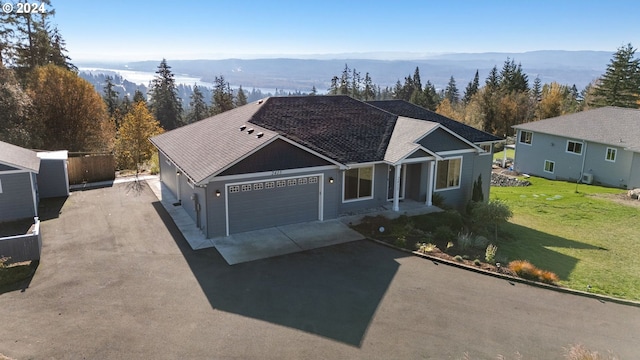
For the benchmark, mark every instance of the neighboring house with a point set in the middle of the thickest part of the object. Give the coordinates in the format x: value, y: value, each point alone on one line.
x: 18, y: 184
x: 287, y: 160
x: 600, y: 146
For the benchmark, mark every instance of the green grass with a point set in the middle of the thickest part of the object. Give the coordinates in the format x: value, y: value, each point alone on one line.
x: 584, y: 238
x: 511, y: 153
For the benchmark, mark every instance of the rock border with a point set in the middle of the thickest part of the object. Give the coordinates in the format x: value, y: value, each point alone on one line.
x: 601, y: 298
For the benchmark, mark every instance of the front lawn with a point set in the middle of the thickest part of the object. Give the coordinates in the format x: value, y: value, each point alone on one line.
x: 589, y: 240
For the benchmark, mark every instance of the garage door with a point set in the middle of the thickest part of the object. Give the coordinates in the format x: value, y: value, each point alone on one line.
x: 262, y: 204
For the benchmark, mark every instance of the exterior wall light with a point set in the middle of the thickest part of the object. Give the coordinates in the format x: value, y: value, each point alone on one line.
x: 330, y: 180
x: 217, y: 193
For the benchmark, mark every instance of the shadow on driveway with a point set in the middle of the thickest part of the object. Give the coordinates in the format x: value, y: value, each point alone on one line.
x: 332, y: 292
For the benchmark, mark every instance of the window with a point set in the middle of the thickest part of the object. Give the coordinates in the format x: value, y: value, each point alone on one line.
x: 291, y: 182
x: 448, y: 174
x: 246, y: 187
x: 574, y: 147
x: 281, y: 183
x: 486, y: 147
x: 313, y: 180
x: 269, y: 185
x: 526, y: 137
x: 234, y: 189
x: 302, y: 181
x: 358, y: 183
x: 258, y: 186
x: 549, y: 166
x: 611, y: 154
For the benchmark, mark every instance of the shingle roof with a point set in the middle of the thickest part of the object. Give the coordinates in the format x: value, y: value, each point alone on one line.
x: 339, y: 127
x: 18, y: 157
x: 403, y: 108
x: 208, y: 146
x: 608, y: 125
x: 405, y: 133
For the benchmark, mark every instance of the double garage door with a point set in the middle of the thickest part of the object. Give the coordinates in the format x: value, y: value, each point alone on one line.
x: 274, y: 202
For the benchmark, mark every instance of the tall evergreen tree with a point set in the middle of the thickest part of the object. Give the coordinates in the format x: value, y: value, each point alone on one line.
x: 138, y: 96
x: 493, y: 80
x: 198, y: 108
x: 110, y: 96
x: 369, y: 91
x: 241, y: 97
x: 165, y: 104
x: 222, y: 98
x: 451, y: 92
x: 620, y: 84
x: 536, y: 91
x: 471, y: 89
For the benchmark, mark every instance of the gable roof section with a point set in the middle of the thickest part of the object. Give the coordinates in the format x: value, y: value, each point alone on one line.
x: 607, y: 125
x: 20, y: 158
x: 209, y: 145
x: 404, y: 108
x: 403, y: 140
x: 338, y: 127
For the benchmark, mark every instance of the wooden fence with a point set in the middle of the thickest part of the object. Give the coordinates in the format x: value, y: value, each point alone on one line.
x: 22, y: 247
x: 86, y: 168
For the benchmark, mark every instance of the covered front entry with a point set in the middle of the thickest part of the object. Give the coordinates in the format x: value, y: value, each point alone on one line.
x: 267, y: 203
x: 412, y: 180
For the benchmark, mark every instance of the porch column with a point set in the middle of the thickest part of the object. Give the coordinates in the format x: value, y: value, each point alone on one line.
x: 396, y: 188
x: 430, y: 182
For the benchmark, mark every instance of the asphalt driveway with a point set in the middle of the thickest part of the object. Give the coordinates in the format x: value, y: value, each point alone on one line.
x: 118, y: 281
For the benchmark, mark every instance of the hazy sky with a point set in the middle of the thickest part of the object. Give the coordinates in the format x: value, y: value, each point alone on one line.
x: 150, y: 30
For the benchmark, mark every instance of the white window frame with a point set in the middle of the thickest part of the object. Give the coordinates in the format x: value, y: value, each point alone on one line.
x: 553, y: 166
x: 613, y: 151
x: 373, y: 185
x: 0, y: 186
x: 575, y: 142
x: 435, y: 185
x: 522, y: 132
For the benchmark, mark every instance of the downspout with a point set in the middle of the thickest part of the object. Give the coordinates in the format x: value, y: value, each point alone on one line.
x: 584, y: 158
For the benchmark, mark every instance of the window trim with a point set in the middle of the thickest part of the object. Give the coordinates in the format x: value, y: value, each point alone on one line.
x: 613, y: 151
x: 553, y: 166
x: 566, y: 149
x: 435, y: 185
x: 522, y: 132
x: 373, y: 180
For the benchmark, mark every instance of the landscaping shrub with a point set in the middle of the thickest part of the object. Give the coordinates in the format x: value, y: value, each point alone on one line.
x: 490, y: 254
x: 444, y: 233
x: 490, y: 215
x: 477, y: 262
x: 527, y: 270
x: 154, y: 164
x: 458, y: 258
x: 400, y: 242
x: 579, y: 352
x: 426, y: 247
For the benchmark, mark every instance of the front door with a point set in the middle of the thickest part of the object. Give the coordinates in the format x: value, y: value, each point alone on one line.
x: 391, y: 182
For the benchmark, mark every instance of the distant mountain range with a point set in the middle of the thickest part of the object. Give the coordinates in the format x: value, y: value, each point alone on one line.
x: 565, y: 67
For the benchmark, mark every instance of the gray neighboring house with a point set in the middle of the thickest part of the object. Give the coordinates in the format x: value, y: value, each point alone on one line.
x: 599, y: 146
x: 285, y: 160
x: 18, y: 184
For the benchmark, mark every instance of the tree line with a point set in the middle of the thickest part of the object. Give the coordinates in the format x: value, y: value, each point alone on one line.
x: 506, y: 97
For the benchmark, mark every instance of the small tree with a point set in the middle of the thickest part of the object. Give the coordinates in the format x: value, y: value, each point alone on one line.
x: 132, y: 145
x: 492, y: 213
x: 477, y: 194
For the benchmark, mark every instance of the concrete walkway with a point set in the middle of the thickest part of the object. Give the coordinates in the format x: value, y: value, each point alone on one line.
x: 258, y: 244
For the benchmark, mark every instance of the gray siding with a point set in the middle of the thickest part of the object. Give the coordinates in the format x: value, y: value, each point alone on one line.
x: 168, y: 174
x: 441, y: 140
x: 634, y: 177
x: 530, y: 159
x: 458, y: 197
x: 4, y: 167
x: 191, y: 199
x: 16, y: 199
x: 52, y: 177
x: 279, y: 155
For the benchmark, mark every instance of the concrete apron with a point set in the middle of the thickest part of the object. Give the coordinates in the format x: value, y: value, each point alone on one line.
x: 282, y: 240
x: 258, y: 244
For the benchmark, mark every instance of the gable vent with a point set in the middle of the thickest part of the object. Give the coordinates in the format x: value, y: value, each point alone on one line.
x: 259, y: 135
x: 250, y: 131
x: 243, y: 127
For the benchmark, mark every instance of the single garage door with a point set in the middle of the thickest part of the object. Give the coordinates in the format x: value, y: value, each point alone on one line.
x: 274, y: 202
